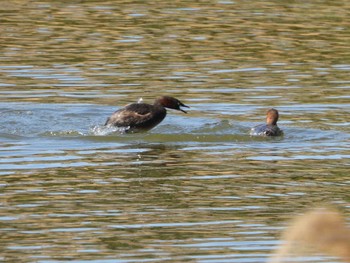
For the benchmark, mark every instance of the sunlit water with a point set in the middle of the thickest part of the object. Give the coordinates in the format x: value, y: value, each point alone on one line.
x: 198, y: 187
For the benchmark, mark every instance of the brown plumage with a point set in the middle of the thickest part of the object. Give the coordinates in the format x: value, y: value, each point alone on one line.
x: 142, y: 116
x: 270, y: 128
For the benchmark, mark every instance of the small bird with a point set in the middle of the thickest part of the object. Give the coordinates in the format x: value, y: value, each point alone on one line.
x: 141, y: 116
x: 270, y: 128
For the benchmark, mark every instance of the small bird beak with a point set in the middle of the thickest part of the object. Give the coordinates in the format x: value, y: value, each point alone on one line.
x: 183, y: 105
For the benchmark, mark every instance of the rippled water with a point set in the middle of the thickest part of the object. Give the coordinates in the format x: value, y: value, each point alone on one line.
x: 198, y: 187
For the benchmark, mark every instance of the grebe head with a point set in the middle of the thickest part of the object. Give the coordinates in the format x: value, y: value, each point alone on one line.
x: 171, y: 103
x: 272, y: 117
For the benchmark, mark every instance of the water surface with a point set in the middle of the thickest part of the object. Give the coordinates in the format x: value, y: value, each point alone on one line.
x: 197, y: 188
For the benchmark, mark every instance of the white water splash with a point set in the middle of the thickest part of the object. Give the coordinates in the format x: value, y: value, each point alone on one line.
x: 67, y: 133
x: 100, y: 130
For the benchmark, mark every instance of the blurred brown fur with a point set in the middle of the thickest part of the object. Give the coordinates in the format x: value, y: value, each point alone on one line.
x: 320, y: 230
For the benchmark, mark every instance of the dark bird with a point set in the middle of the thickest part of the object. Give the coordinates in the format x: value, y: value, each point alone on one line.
x: 140, y: 116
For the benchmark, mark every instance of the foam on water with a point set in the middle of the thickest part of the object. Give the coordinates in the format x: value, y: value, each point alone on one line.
x: 104, y: 130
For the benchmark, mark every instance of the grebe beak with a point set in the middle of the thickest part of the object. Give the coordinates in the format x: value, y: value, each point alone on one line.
x: 183, y: 105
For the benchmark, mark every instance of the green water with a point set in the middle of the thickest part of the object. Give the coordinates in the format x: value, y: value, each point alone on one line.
x: 197, y: 188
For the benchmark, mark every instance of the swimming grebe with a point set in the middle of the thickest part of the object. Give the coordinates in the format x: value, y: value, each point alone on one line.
x: 270, y: 128
x: 142, y: 116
